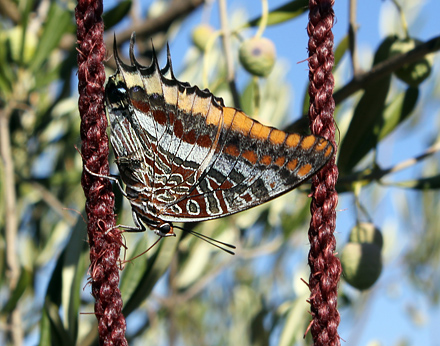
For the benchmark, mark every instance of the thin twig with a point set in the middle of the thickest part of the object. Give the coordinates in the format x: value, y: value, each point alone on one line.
x: 352, y: 31
x: 146, y: 28
x: 264, y: 17
x: 173, y: 293
x: 10, y: 10
x: 410, y: 162
x: 228, y: 53
x: 379, y: 173
x: 208, y: 49
x: 176, y: 10
x: 361, y: 81
x: 402, y: 18
x: 53, y: 202
x: 13, y: 267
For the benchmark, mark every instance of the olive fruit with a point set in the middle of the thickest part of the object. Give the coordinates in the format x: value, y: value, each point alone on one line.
x: 201, y: 36
x: 361, y: 264
x: 366, y: 232
x: 257, y: 55
x: 361, y: 257
x: 414, y: 73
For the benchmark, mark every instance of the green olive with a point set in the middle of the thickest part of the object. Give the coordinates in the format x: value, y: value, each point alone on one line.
x: 415, y: 73
x: 258, y: 55
x: 201, y: 36
x: 361, y: 264
x: 366, y: 232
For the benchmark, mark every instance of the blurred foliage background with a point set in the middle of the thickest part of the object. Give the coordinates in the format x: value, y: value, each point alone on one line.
x: 185, y: 291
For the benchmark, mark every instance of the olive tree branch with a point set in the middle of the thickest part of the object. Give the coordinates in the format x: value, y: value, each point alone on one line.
x: 378, y: 173
x: 362, y: 80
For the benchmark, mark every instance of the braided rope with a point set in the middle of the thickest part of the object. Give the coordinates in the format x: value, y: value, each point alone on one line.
x: 324, y: 265
x: 104, y: 247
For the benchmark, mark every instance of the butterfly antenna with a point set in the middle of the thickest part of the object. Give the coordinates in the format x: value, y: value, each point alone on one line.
x: 211, y: 241
x: 143, y: 253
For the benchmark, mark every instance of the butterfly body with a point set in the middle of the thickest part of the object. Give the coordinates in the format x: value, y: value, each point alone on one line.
x: 186, y: 157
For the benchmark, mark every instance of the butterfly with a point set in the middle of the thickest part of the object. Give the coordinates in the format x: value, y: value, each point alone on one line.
x: 186, y: 157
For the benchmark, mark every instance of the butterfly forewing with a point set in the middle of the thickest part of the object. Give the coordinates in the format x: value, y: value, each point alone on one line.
x: 185, y: 157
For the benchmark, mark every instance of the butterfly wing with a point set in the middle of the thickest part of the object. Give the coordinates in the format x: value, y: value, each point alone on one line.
x: 252, y: 165
x: 186, y: 157
x: 164, y: 132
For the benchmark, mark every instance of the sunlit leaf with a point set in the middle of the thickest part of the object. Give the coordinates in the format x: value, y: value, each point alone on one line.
x: 195, y: 254
x: 283, y: 13
x: 296, y: 323
x: 57, y: 24
x: 25, y: 11
x: 65, y: 285
x: 134, y: 270
x: 340, y: 50
x: 75, y: 263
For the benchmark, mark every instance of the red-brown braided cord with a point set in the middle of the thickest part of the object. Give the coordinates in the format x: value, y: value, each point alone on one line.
x: 104, y: 248
x: 325, y: 266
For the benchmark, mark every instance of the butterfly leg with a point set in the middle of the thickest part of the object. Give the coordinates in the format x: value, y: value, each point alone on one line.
x: 109, y: 178
x: 138, y: 227
x: 162, y: 230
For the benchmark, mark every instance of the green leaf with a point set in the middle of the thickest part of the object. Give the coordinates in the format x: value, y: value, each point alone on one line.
x: 133, y: 271
x: 28, y: 6
x: 368, y: 117
x: 5, y: 80
x: 2, y: 219
x: 397, y: 111
x: 116, y: 14
x: 58, y: 335
x: 294, y: 222
x: 340, y: 50
x: 58, y: 22
x: 306, y: 101
x: 197, y: 256
x: 65, y: 285
x: 45, y: 76
x: 248, y: 98
x: 23, y: 282
x: 259, y: 334
x: 157, y: 265
x: 296, y: 323
x: 430, y: 183
x: 283, y: 13
x: 74, y: 266
x: 7, y: 75
x: 386, y: 122
x: 45, y: 331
